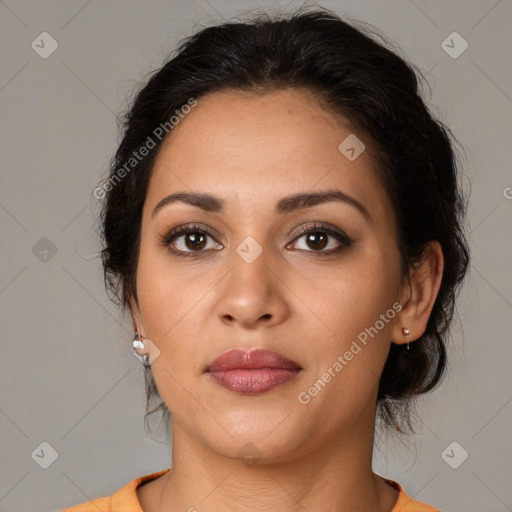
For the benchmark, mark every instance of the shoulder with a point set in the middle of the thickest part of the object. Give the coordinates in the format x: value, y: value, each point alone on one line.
x: 123, y: 500
x: 103, y: 504
x: 407, y: 504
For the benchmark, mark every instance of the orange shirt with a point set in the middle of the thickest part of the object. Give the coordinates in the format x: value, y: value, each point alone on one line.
x: 125, y: 499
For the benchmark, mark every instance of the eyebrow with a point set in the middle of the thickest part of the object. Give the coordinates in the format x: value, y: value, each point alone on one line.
x: 288, y: 204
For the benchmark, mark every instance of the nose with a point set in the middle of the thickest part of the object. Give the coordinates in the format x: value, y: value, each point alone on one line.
x: 253, y: 295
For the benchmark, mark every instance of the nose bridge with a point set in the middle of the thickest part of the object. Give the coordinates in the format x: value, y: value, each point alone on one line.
x: 252, y: 264
x: 252, y: 274
x: 252, y: 290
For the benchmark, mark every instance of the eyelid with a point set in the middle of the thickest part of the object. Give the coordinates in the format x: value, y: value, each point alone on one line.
x: 324, y: 227
x: 188, y: 228
x: 319, y: 226
x: 344, y: 240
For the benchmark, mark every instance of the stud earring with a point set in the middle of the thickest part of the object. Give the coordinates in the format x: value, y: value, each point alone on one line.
x: 138, y: 347
x: 406, y: 333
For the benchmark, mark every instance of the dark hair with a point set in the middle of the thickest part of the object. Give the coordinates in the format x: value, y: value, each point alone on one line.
x: 351, y: 73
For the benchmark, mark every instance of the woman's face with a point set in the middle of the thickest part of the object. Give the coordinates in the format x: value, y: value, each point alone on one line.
x: 257, y: 281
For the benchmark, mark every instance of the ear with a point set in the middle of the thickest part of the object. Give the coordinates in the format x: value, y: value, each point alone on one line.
x: 419, y: 294
x: 137, y: 323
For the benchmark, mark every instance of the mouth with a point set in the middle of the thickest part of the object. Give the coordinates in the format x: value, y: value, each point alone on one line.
x: 253, y: 372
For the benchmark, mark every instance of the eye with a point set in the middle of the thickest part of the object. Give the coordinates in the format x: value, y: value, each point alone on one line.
x: 190, y: 239
x: 321, y: 236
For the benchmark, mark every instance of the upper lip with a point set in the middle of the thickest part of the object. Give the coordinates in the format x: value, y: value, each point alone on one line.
x: 257, y: 358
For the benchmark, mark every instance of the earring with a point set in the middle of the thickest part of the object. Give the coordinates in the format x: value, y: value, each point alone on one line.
x: 138, y: 347
x: 406, y: 333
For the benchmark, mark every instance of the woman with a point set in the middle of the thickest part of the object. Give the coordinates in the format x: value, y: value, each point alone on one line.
x: 283, y: 219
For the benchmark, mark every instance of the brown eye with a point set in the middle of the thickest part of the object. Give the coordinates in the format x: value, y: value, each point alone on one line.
x: 195, y: 241
x: 318, y: 238
x: 190, y: 239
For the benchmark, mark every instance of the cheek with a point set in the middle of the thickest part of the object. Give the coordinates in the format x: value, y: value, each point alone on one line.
x: 345, y: 311
x: 172, y: 307
x: 162, y: 291
x: 350, y: 297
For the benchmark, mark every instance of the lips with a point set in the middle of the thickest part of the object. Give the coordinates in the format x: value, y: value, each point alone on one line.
x: 253, y: 372
x: 242, y: 360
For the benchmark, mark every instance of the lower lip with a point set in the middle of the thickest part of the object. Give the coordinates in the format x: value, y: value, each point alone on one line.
x: 253, y: 381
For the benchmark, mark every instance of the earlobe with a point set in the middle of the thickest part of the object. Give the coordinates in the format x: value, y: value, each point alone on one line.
x: 424, y: 285
x: 135, y: 315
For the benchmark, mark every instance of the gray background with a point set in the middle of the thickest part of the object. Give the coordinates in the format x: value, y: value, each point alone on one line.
x: 68, y: 376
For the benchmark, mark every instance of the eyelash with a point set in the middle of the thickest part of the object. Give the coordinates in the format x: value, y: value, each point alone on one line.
x: 345, y: 240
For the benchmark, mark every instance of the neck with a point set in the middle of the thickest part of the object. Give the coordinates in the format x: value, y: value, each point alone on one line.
x: 333, y: 475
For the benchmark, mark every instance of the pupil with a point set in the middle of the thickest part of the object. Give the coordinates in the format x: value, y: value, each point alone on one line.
x: 323, y: 241
x: 317, y: 239
x: 196, y: 242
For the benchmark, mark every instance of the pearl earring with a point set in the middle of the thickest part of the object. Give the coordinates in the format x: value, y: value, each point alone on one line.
x: 138, y: 347
x: 406, y: 333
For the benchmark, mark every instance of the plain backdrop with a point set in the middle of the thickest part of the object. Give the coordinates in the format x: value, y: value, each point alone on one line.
x: 72, y: 394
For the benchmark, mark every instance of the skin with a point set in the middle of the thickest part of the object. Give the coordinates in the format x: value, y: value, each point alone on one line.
x: 251, y: 151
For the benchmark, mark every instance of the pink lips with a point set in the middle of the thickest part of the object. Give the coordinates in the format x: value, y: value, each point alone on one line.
x: 253, y: 372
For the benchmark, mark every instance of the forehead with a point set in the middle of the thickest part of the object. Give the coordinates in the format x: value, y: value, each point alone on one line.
x: 250, y: 148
